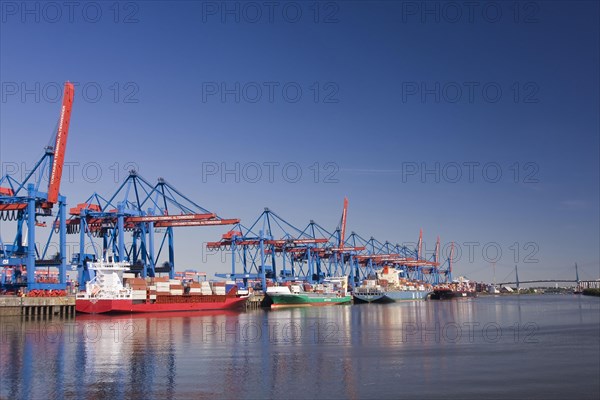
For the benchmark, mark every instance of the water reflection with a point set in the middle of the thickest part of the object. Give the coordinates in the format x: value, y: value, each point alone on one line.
x: 362, y: 351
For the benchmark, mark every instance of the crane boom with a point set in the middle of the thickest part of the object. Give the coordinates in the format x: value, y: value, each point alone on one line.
x: 61, y: 143
x: 450, y: 259
x: 420, y: 245
x: 343, y: 227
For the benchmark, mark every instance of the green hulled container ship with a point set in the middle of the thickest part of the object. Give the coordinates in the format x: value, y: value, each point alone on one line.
x: 332, y: 291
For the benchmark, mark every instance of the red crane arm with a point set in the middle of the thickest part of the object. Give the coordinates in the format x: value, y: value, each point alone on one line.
x: 278, y: 243
x: 450, y: 259
x: 345, y: 249
x: 420, y: 243
x: 11, y: 207
x: 344, y: 217
x: 200, y: 222
x: 61, y: 143
x: 282, y: 242
x: 159, y: 221
x: 170, y: 218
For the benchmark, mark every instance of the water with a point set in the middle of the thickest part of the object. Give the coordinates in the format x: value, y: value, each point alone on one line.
x: 490, y: 347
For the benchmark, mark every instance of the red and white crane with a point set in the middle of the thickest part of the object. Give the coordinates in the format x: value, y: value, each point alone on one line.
x: 60, y: 146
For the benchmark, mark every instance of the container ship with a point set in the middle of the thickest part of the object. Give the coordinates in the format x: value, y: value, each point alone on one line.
x: 455, y: 290
x: 369, y: 292
x: 115, y: 290
x: 332, y: 291
x: 389, y: 288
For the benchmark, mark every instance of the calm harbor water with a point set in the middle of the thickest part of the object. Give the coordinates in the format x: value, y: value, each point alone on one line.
x: 490, y: 347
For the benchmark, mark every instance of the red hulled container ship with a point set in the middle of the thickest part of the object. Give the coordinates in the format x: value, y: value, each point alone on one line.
x: 107, y: 293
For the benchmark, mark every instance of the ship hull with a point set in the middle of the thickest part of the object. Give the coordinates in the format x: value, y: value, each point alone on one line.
x: 367, y: 297
x: 404, y: 295
x: 103, y: 306
x: 304, y: 300
x: 451, y: 294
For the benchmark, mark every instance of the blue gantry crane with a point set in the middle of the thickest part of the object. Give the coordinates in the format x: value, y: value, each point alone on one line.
x: 136, y: 210
x: 267, y: 241
x: 272, y: 248
x: 411, y: 263
x: 26, y: 204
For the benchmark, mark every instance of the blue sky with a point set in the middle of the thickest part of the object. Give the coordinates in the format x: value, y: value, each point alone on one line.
x: 388, y: 91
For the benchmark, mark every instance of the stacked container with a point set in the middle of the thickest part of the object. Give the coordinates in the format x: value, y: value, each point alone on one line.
x: 138, y: 288
x: 175, y: 287
x: 162, y: 286
x: 195, y: 288
x: 219, y: 288
x: 205, y: 288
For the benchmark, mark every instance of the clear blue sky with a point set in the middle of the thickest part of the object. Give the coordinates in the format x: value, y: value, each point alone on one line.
x: 388, y: 89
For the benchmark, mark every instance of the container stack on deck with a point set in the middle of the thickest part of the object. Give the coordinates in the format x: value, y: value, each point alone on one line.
x: 195, y: 288
x: 139, y: 288
x: 219, y: 288
x: 205, y: 288
x: 158, y: 287
x: 162, y: 286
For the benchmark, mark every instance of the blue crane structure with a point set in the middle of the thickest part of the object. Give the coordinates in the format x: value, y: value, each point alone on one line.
x: 268, y: 239
x: 136, y: 210
x: 411, y: 263
x: 271, y: 248
x: 27, y: 204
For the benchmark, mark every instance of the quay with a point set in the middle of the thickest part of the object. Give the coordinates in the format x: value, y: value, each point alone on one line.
x: 37, y: 306
x: 255, y: 301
